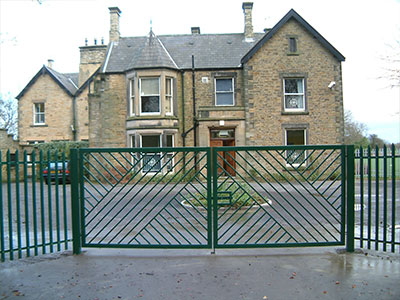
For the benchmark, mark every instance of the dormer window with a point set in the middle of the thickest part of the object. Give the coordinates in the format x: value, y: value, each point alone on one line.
x: 150, y: 95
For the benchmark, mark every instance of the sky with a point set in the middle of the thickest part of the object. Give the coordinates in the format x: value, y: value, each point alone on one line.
x: 363, y: 31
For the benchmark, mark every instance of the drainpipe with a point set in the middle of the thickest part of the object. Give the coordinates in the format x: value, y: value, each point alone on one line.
x: 183, y: 118
x: 73, y: 126
x: 194, y: 112
x: 194, y: 104
x: 183, y: 109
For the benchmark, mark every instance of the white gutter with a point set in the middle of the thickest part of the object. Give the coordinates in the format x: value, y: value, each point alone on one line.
x: 108, y: 57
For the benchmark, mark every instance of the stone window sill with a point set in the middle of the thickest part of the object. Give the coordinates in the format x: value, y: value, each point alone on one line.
x: 289, y: 113
x: 39, y: 125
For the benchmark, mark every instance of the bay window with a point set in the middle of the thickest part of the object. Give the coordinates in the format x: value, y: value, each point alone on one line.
x: 150, y: 96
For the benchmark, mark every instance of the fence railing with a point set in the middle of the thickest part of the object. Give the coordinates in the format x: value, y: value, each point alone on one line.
x: 34, y: 204
x: 377, y: 198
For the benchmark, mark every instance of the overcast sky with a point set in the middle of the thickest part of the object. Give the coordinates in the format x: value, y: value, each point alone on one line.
x: 362, y: 31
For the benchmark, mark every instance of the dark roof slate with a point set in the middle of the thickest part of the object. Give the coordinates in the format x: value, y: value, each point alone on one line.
x: 68, y: 82
x: 211, y: 51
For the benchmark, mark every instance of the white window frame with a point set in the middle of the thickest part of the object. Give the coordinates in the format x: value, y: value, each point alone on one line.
x: 233, y: 91
x: 39, y: 114
x: 132, y: 97
x: 288, y: 109
x: 305, y: 143
x: 159, y: 97
x: 169, y: 97
x: 167, y: 155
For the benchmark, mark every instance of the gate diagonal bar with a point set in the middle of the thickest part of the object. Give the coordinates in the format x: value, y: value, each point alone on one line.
x: 146, y: 197
x: 279, y: 196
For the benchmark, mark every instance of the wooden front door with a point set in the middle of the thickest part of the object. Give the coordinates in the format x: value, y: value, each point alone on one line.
x: 227, y: 161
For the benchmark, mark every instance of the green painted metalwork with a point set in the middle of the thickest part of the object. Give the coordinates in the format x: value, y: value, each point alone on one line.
x: 147, y: 197
x: 377, y: 175
x: 75, y: 203
x: 277, y: 199
x: 350, y: 198
x: 31, y: 217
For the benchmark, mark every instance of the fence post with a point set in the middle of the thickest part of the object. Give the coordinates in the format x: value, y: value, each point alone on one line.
x: 350, y: 197
x: 75, y: 203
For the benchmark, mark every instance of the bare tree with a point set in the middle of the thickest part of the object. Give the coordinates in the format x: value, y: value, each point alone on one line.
x: 9, y: 114
x: 354, y: 132
x: 391, y: 62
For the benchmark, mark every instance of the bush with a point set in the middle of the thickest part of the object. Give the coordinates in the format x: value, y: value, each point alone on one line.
x: 59, y: 148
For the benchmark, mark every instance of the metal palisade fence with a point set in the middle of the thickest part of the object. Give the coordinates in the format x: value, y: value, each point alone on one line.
x: 34, y: 204
x: 36, y: 215
x: 377, y: 205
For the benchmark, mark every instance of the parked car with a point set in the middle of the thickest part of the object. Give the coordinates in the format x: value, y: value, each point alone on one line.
x: 60, y: 172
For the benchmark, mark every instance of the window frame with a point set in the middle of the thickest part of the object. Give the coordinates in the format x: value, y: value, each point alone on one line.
x: 216, y: 92
x: 154, y: 154
x: 303, y: 94
x: 169, y: 155
x: 305, y: 133
x: 132, y: 108
x: 169, y: 97
x: 35, y: 113
x: 150, y: 95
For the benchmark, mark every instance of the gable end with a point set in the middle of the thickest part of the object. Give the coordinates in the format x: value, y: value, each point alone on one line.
x: 292, y: 14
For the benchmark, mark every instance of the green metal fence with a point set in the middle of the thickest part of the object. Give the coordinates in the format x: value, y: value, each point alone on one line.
x: 34, y: 211
x: 377, y: 199
x: 199, y: 198
x: 148, y: 197
x: 291, y: 196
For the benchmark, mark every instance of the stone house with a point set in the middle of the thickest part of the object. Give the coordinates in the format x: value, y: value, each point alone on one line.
x: 279, y: 87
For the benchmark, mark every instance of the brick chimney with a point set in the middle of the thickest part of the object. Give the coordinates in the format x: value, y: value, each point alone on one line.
x: 195, y: 30
x: 248, y: 21
x: 114, y: 23
x: 50, y: 63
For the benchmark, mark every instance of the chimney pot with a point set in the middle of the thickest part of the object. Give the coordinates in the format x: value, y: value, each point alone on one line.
x: 195, y: 30
x: 248, y: 21
x: 115, y: 13
x: 50, y: 63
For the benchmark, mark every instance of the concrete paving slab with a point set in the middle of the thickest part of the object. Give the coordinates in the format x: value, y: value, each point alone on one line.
x: 317, y: 273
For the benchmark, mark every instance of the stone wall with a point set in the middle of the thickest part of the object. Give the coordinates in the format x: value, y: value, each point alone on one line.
x: 58, y: 112
x: 265, y: 118
x: 108, y: 111
x: 91, y: 59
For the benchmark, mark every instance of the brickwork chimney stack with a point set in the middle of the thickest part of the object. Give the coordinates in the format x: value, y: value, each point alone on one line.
x: 50, y: 63
x: 195, y: 30
x: 114, y: 23
x: 248, y: 21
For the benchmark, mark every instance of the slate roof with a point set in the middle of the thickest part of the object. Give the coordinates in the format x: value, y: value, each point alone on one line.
x: 211, y: 51
x: 68, y: 81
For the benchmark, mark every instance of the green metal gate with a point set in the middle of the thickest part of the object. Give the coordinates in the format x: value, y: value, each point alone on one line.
x: 145, y: 198
x: 279, y: 196
x: 221, y: 197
